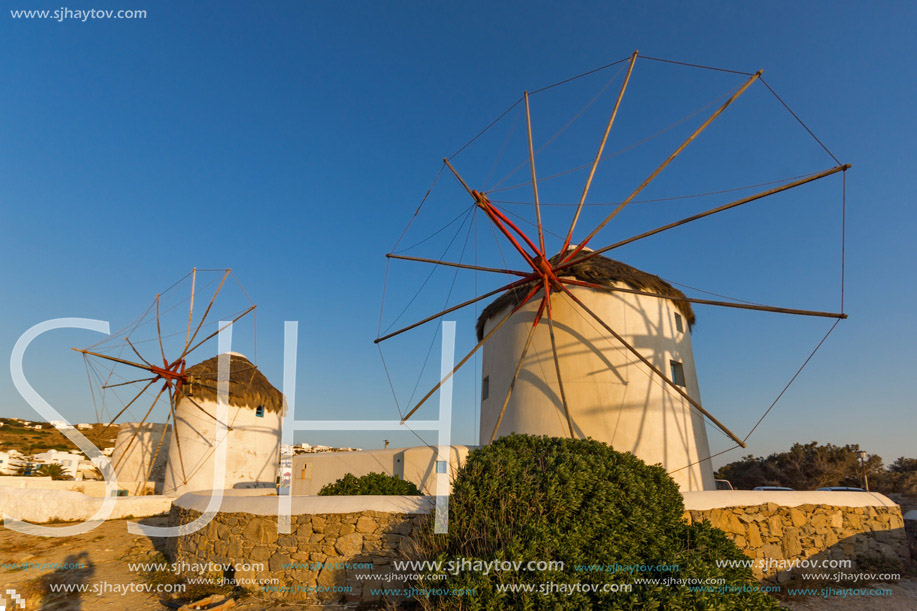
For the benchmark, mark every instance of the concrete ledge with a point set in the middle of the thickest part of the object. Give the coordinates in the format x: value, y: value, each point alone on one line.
x: 42, y: 506
x: 259, y: 502
x: 718, y: 499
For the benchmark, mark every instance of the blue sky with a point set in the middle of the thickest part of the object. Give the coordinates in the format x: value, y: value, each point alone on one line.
x: 292, y: 142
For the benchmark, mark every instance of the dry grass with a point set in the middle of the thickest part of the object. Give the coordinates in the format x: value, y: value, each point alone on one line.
x: 247, y: 386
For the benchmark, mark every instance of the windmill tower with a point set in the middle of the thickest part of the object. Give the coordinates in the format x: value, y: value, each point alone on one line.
x: 136, y: 456
x: 577, y: 344
x: 185, y: 449
x: 611, y: 395
x: 254, y: 418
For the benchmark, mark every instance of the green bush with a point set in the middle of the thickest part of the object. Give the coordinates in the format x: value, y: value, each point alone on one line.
x: 526, y: 498
x: 371, y: 483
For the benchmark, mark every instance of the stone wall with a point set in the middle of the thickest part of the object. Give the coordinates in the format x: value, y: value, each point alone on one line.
x: 341, y: 548
x: 320, y: 559
x: 774, y: 534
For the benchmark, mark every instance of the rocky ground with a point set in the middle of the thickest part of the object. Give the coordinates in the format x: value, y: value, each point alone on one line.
x: 106, y: 553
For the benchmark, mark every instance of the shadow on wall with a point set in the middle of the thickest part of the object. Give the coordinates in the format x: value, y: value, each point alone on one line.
x: 856, y: 561
x: 160, y: 544
x: 910, y: 528
x: 249, y: 485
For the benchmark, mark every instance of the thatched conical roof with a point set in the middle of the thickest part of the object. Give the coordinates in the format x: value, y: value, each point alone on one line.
x: 598, y: 270
x: 247, y: 386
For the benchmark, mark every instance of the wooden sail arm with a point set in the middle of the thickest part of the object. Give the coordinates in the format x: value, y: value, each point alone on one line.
x: 512, y: 384
x: 509, y: 286
x: 725, y: 304
x: 665, y: 163
x: 716, y: 210
x: 470, y: 354
x: 598, y: 155
x: 560, y: 381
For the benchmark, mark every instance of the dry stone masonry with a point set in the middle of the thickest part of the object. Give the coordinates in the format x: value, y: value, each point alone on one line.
x: 321, y: 559
x: 775, y: 535
x: 345, y: 556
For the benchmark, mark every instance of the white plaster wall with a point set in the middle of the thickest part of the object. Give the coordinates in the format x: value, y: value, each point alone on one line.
x: 41, y: 506
x: 133, y: 460
x: 311, y: 472
x: 420, y: 466
x: 718, y: 499
x: 259, y: 502
x: 612, y: 396
x: 94, y: 488
x: 252, y: 448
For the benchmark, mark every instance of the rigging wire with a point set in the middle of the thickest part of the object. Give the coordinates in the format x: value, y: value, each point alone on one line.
x: 659, y: 199
x: 398, y: 241
x: 693, y: 288
x: 432, y: 342
x: 509, y: 135
x: 795, y: 116
x: 715, y: 69
x: 445, y: 305
x: 564, y: 128
x: 579, y: 76
x: 793, y: 379
x: 481, y: 133
x: 531, y: 93
x: 528, y: 183
x: 435, y: 233
x: 697, y: 462
x: 430, y: 275
x: 619, y: 151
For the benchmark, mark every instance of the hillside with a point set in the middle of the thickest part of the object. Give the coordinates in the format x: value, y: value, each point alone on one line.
x: 21, y: 436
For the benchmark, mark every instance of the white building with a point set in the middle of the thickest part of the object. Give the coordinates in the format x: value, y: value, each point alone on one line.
x: 253, y: 442
x: 11, y: 461
x: 420, y: 465
x: 611, y: 395
x: 70, y: 462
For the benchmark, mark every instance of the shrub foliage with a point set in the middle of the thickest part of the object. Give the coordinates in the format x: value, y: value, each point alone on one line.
x: 609, y: 517
x: 371, y: 483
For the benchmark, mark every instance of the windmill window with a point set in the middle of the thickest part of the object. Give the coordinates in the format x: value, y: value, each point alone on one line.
x: 260, y: 411
x: 678, y: 373
x: 485, y: 388
x: 679, y: 326
x: 440, y: 466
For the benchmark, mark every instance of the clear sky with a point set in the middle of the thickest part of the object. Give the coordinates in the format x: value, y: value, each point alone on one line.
x: 292, y: 142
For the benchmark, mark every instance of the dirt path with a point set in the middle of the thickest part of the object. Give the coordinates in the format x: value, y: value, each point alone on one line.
x: 99, y: 562
x: 903, y: 597
x: 104, y: 556
x: 96, y: 561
